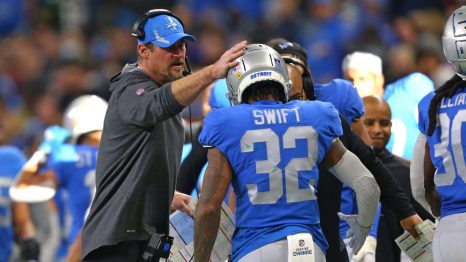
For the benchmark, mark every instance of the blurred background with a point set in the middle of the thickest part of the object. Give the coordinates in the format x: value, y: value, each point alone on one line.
x: 54, y: 50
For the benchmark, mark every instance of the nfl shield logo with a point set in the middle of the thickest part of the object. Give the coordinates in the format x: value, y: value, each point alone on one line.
x: 301, y: 243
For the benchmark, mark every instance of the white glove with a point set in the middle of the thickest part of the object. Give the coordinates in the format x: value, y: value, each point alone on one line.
x: 357, y: 233
x: 367, y: 252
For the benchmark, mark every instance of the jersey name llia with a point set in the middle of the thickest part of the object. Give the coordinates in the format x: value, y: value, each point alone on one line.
x: 455, y: 101
x: 274, y: 116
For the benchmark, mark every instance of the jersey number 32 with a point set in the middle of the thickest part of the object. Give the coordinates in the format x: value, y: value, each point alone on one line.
x: 270, y: 167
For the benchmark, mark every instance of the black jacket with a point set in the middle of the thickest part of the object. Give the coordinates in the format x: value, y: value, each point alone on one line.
x: 389, y: 226
x: 137, y: 164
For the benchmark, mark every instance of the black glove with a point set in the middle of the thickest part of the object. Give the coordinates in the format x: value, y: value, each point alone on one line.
x: 30, y: 249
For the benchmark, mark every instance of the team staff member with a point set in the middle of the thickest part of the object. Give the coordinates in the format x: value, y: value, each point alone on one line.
x: 142, y: 140
x: 378, y: 122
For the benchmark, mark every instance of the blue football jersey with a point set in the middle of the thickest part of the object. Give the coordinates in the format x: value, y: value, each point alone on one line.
x: 274, y: 150
x: 343, y: 95
x: 447, y: 150
x: 403, y: 96
x: 77, y: 178
x: 11, y: 162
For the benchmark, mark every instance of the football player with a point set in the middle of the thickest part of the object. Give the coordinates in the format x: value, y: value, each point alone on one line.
x: 269, y: 150
x: 441, y: 118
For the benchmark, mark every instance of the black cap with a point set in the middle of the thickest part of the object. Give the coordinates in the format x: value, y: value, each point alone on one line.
x: 283, y: 46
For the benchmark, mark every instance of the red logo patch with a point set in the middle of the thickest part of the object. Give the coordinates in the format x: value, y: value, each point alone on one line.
x: 301, y: 242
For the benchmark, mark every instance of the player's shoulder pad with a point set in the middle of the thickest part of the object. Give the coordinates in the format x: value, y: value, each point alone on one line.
x: 346, y: 88
x: 325, y: 107
x: 339, y: 87
x: 425, y: 101
x: 342, y: 83
x: 217, y: 115
x: 329, y: 108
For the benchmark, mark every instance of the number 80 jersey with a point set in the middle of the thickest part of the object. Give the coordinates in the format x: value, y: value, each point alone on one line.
x: 274, y: 150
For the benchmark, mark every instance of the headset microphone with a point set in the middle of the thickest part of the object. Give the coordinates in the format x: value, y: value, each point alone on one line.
x: 187, y: 70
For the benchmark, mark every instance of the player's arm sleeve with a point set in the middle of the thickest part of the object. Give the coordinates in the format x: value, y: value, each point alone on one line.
x: 144, y: 104
x: 375, y: 225
x: 391, y: 193
x: 416, y: 172
x: 350, y: 171
x: 347, y: 206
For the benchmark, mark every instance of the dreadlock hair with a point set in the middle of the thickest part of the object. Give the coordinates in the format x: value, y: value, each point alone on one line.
x: 261, y: 91
x: 446, y: 90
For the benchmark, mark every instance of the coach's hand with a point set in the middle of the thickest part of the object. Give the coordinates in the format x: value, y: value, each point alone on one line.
x: 410, y: 223
x: 356, y: 233
x: 181, y: 202
x: 227, y: 60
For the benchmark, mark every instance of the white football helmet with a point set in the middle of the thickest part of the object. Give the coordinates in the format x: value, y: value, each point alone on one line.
x: 454, y: 41
x: 85, y: 114
x: 259, y: 63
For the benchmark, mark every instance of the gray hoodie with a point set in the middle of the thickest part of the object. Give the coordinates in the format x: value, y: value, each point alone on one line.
x: 138, y: 161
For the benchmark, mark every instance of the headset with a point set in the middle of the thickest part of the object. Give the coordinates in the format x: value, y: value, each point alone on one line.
x: 138, y: 26
x: 308, y: 85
